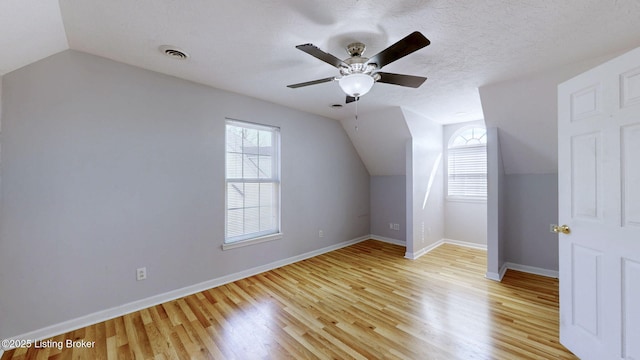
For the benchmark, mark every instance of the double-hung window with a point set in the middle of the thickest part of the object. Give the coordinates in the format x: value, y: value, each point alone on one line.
x: 252, y: 193
x: 467, y: 164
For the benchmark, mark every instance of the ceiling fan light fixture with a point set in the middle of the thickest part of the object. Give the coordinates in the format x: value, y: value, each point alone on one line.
x: 356, y: 85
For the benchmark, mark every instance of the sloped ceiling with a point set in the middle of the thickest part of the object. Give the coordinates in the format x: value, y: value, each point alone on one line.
x: 30, y: 30
x: 525, y: 111
x: 248, y: 47
x: 380, y: 139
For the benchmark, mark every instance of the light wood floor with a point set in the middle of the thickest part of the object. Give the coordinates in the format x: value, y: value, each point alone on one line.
x: 361, y: 302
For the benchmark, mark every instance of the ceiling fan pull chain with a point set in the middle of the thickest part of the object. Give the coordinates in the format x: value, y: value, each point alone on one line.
x: 357, y: 98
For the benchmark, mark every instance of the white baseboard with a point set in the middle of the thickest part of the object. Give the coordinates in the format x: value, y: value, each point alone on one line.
x: 466, y: 244
x: 103, y: 315
x: 489, y: 275
x: 1, y: 352
x: 497, y: 276
x: 533, y: 270
x: 388, y: 240
x: 518, y: 267
x: 492, y: 276
x: 417, y: 254
x: 425, y: 250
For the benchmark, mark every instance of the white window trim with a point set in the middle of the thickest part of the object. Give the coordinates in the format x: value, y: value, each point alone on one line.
x: 466, y: 199
x: 251, y: 241
x: 258, y: 238
x: 461, y: 198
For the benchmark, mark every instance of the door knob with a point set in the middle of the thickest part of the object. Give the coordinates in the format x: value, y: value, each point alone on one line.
x: 561, y: 229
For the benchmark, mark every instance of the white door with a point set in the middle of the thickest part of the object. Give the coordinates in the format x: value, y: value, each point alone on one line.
x: 599, y: 200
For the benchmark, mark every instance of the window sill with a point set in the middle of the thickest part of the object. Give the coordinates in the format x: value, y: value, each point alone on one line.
x: 467, y: 200
x: 253, y: 241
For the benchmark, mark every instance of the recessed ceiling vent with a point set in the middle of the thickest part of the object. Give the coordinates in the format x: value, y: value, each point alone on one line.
x: 173, y: 52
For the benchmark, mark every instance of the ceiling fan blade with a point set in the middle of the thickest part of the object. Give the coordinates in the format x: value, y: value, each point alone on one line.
x: 319, y: 81
x: 319, y: 54
x: 351, y: 99
x: 410, y: 43
x: 401, y: 79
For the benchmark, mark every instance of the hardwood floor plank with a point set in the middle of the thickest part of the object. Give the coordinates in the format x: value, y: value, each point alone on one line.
x: 365, y: 301
x: 121, y: 333
x: 112, y: 349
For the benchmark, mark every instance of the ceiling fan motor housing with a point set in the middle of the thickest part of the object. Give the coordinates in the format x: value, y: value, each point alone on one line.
x: 357, y: 65
x: 356, y: 49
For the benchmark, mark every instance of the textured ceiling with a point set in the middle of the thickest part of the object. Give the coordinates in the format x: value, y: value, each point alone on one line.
x: 248, y: 47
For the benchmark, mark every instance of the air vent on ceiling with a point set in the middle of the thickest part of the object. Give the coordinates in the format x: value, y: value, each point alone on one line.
x: 173, y: 52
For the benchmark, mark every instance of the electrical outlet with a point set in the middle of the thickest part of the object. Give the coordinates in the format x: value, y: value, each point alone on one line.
x: 320, y: 234
x: 391, y: 226
x: 141, y: 273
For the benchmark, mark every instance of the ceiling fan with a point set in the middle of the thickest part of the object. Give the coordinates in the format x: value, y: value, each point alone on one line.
x: 358, y: 73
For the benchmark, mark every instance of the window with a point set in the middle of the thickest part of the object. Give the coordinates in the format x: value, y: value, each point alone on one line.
x: 252, y: 193
x: 467, y: 164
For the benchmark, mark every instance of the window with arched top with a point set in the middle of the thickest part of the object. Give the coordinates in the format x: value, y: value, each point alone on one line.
x: 467, y: 164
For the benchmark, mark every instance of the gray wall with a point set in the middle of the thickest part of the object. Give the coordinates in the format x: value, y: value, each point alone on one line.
x: 496, y: 212
x: 107, y: 168
x: 388, y: 205
x: 425, y: 205
x: 531, y: 205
